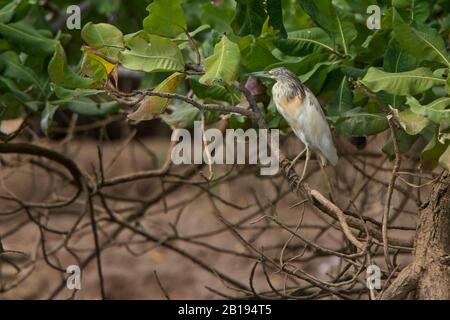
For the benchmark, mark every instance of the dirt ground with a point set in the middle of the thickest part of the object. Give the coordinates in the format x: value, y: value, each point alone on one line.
x: 129, y: 272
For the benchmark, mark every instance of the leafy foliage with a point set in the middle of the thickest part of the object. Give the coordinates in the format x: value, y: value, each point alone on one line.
x: 223, y: 65
x: 151, y: 53
x: 166, y: 18
x: 61, y: 74
x: 326, y: 43
x: 407, y: 83
x: 103, y: 37
x: 152, y: 107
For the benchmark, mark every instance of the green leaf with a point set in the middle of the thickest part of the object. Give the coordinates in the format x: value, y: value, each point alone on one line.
x: 397, y: 59
x: 275, y: 12
x: 151, y: 107
x: 424, y: 45
x: 10, y: 107
x: 411, y: 122
x: 402, y: 83
x: 353, y: 72
x: 47, y: 117
x: 8, y: 84
x: 345, y: 33
x: 63, y: 93
x: 326, y: 65
x: 447, y: 86
x: 27, y: 39
x: 182, y: 117
x: 442, y: 73
x: 315, y: 78
x: 430, y: 156
x: 106, y: 8
x: 255, y: 56
x: 322, y: 12
x: 215, y: 93
x: 86, y: 107
x: 183, y: 38
x: 359, y: 6
x: 96, y: 66
x: 218, y: 15
x: 342, y: 100
x: 436, y: 111
x: 359, y: 123
x: 250, y: 17
x: 306, y: 41
x: 15, y: 69
x: 7, y: 11
x: 223, y: 65
x: 302, y: 65
x: 414, y: 10
x: 62, y: 75
x: 238, y: 122
x: 166, y: 18
x: 374, y: 46
x: 151, y: 53
x: 405, y: 142
x: 103, y: 37
x: 401, y: 4
x: 444, y: 159
x: 212, y: 117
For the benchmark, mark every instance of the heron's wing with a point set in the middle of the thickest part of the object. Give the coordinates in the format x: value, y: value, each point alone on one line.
x: 288, y: 107
x: 317, y: 130
x: 314, y: 102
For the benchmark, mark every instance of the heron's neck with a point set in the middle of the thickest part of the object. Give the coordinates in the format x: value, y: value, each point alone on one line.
x: 290, y: 87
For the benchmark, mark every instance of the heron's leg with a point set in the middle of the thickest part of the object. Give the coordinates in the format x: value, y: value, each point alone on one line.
x: 308, y: 154
x: 328, y: 181
x: 293, y: 162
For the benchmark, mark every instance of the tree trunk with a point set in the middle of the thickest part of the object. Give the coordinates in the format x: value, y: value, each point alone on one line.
x: 429, y: 275
x: 432, y: 247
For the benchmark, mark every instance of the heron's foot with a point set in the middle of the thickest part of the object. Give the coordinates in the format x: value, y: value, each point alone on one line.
x: 288, y: 165
x: 294, y: 161
x: 294, y: 178
x: 291, y: 166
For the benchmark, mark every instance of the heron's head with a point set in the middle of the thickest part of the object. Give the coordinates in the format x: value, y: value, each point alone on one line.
x: 279, y: 74
x: 288, y: 83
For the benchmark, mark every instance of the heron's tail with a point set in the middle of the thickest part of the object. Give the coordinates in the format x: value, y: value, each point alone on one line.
x: 330, y: 155
x: 329, y: 184
x: 333, y: 157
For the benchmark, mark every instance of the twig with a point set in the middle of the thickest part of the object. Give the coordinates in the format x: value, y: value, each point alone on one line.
x: 166, y: 295
x: 390, y: 191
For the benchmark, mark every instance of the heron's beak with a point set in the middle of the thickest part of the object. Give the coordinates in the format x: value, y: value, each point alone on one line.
x: 262, y: 74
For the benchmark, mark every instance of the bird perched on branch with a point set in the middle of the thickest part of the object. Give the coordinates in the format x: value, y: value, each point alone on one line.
x: 301, y: 109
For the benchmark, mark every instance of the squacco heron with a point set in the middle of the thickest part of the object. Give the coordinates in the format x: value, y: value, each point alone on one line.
x: 301, y: 109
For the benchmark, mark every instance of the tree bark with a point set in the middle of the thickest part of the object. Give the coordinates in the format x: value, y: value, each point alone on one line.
x: 432, y: 245
x: 429, y: 275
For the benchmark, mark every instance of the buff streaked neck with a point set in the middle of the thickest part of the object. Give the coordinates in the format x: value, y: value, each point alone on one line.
x: 288, y: 86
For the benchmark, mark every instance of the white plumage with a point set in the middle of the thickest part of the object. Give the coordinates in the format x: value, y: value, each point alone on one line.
x: 308, y: 122
x: 301, y: 109
x: 316, y: 132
